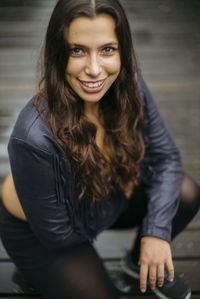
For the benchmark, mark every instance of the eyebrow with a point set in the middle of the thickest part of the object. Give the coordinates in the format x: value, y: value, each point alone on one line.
x: 83, y: 46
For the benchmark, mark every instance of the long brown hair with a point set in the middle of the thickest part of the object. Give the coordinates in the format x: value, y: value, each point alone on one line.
x: 121, y: 107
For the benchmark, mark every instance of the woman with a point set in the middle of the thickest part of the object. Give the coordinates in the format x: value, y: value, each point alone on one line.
x: 90, y: 152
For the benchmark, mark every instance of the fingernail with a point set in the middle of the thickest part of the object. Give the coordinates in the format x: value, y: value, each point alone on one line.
x: 171, y: 279
x: 143, y: 290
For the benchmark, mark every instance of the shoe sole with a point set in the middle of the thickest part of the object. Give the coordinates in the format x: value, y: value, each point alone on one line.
x: 161, y: 296
x: 156, y: 291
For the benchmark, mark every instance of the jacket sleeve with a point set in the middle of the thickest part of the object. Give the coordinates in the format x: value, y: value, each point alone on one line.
x: 163, y: 161
x: 38, y: 184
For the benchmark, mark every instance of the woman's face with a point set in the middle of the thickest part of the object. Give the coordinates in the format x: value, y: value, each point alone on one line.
x: 94, y: 59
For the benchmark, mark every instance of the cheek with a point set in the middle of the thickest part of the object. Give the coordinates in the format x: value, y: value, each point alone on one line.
x: 113, y: 65
x: 74, y: 67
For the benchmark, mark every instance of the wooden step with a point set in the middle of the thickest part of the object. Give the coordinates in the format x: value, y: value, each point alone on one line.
x: 9, y: 283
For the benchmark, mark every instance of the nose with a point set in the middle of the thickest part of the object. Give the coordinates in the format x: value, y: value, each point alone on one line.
x: 93, y: 67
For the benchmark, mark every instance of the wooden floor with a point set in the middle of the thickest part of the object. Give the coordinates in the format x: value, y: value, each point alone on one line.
x: 167, y: 41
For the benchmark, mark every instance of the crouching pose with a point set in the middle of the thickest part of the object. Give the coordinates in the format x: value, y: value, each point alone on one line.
x: 90, y: 151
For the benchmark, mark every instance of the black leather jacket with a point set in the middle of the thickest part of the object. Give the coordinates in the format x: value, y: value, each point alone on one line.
x: 48, y: 192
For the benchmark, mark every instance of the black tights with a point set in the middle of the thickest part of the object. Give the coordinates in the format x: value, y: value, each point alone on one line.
x: 189, y: 205
x: 75, y: 273
x: 78, y: 272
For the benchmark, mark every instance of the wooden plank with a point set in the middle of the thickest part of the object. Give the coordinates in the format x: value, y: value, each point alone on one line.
x: 122, y: 281
x: 154, y: 297
x: 18, y: 296
x: 23, y: 75
x: 19, y: 43
x: 3, y: 153
x: 121, y: 297
x: 130, y: 285
x: 28, y: 3
x: 22, y: 14
x: 15, y: 103
x: 169, y: 56
x: 6, y: 70
x: 4, y: 169
x: 7, y: 285
x: 3, y: 254
x: 22, y: 296
x: 186, y: 244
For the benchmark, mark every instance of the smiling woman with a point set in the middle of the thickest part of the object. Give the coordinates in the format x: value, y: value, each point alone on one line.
x: 89, y: 75
x: 94, y: 61
x: 90, y: 151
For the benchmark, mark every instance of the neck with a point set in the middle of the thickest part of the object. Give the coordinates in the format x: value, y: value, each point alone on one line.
x: 91, y: 110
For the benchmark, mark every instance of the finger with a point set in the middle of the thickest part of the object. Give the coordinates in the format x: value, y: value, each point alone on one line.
x: 143, y: 277
x: 160, y: 275
x: 152, y: 277
x: 170, y: 268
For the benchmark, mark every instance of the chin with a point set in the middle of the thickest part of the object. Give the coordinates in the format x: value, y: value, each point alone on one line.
x: 91, y: 100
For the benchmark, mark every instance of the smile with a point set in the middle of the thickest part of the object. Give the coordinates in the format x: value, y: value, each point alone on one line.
x: 92, y: 86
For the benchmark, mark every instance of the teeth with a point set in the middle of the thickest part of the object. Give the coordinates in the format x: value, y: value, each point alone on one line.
x: 92, y: 85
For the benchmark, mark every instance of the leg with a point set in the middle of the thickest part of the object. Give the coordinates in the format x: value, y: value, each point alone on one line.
x: 133, y: 216
x: 73, y: 273
x: 136, y: 211
x: 188, y: 207
x: 189, y: 204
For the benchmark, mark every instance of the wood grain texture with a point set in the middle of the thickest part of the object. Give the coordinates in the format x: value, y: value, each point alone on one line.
x: 167, y: 42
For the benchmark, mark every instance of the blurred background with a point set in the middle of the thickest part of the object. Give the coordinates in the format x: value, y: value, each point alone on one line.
x: 166, y: 36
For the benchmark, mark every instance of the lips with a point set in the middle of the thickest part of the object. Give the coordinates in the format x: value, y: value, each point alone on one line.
x: 92, y: 86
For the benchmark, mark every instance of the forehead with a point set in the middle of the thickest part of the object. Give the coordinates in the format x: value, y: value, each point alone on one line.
x: 88, y: 30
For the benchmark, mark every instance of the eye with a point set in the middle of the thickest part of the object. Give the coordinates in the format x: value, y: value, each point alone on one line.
x: 76, y: 51
x: 108, y: 50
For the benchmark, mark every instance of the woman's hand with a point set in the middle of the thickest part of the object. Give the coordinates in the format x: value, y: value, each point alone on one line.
x: 155, y: 253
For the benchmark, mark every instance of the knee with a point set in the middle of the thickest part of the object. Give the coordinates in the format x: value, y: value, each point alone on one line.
x: 190, y: 192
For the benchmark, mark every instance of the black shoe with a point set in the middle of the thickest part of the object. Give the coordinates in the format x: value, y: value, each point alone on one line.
x: 177, y: 289
x: 22, y: 285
